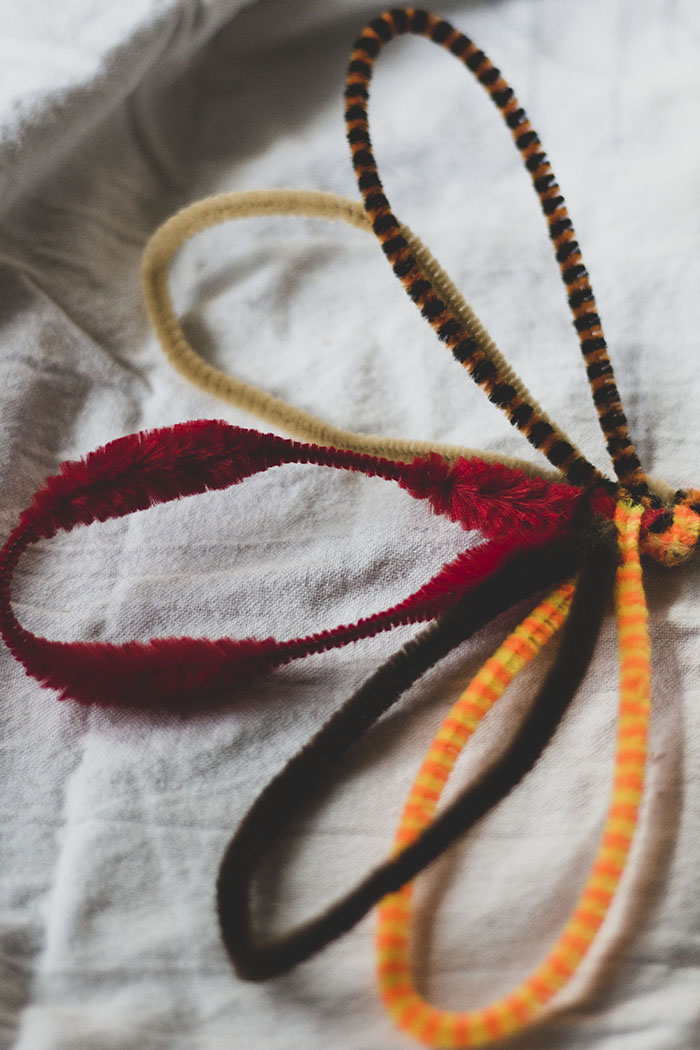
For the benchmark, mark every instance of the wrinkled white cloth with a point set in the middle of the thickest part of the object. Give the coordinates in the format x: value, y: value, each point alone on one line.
x: 112, y: 822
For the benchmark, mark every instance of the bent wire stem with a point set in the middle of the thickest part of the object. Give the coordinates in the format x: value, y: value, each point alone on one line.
x: 258, y: 959
x: 520, y: 410
x: 455, y: 1030
x: 137, y: 471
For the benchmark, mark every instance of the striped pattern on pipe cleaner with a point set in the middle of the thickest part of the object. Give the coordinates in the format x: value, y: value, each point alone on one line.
x: 189, y: 221
x: 486, y: 687
x: 521, y: 412
x: 135, y: 472
x: 453, y: 1030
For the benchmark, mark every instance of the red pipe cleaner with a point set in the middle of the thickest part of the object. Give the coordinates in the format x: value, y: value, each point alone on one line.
x: 138, y: 471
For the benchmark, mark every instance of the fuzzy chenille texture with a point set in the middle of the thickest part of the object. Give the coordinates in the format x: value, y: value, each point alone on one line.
x: 142, y: 470
x: 113, y: 825
x: 253, y: 958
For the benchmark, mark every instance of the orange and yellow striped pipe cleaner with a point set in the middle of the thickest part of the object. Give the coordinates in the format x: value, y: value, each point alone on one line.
x: 454, y: 1030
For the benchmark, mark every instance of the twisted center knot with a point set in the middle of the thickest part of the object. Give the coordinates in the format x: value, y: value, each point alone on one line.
x: 669, y: 534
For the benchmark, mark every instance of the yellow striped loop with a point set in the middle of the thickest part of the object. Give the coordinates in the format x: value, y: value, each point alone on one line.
x: 451, y: 1029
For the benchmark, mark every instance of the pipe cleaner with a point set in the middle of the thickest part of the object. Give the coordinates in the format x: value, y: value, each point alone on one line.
x: 456, y: 1029
x: 140, y: 470
x: 226, y: 207
x: 302, y: 775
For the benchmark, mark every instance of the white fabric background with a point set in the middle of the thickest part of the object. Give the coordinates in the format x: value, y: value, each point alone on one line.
x: 112, y: 824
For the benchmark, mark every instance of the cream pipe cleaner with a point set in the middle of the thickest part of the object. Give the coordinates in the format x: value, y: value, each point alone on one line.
x: 312, y: 204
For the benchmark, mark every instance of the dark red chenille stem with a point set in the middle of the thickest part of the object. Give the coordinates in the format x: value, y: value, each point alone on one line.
x: 138, y: 471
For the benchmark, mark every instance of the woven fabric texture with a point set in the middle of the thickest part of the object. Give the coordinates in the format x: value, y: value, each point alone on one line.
x: 113, y: 824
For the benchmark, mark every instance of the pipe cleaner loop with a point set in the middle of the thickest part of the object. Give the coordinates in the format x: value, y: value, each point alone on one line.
x: 281, y: 798
x: 519, y: 410
x: 137, y: 471
x: 227, y: 207
x: 454, y: 1030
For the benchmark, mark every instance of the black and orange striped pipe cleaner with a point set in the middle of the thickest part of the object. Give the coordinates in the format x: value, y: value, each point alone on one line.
x: 642, y: 523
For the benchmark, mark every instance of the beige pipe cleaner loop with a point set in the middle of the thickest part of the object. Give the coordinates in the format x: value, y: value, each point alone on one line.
x: 310, y: 204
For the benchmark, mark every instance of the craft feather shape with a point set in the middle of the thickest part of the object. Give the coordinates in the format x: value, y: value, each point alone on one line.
x: 135, y: 472
x: 303, y: 774
x: 227, y: 207
x: 140, y: 470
